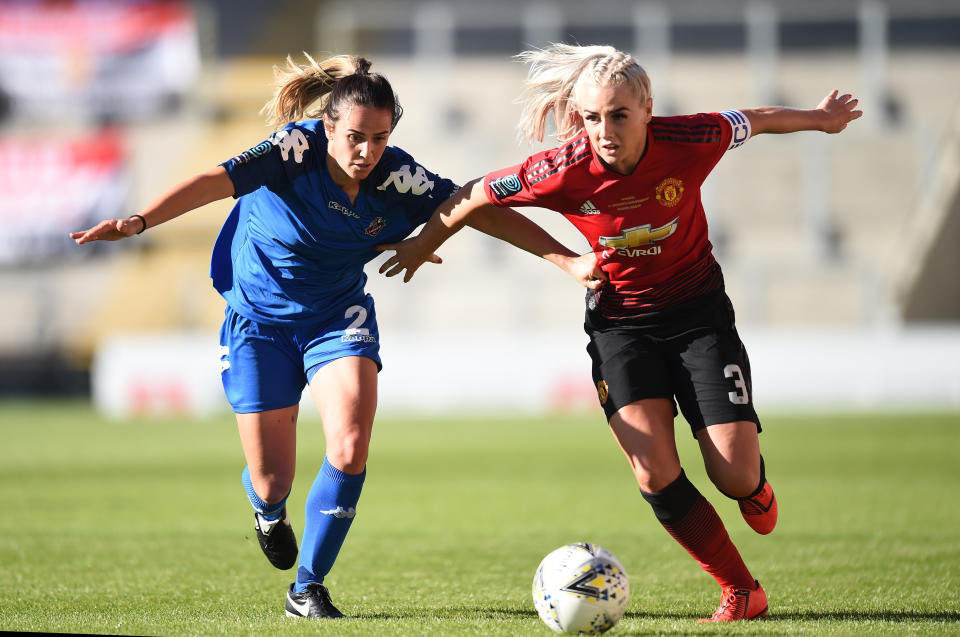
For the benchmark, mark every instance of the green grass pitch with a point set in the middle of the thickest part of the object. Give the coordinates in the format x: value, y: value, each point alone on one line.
x: 141, y: 527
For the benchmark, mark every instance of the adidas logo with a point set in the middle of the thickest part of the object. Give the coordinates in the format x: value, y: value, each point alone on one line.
x: 588, y: 208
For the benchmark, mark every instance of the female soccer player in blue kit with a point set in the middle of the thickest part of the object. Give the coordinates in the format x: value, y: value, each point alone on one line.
x: 313, y: 201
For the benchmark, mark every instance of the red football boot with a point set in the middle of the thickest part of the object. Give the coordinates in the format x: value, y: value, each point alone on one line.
x: 760, y: 510
x: 738, y: 604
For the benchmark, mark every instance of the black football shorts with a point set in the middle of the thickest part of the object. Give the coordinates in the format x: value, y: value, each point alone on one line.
x: 690, y: 354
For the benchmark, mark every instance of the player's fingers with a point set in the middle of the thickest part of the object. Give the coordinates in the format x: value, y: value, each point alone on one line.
x: 86, y: 236
x: 434, y: 259
x: 386, y: 246
x: 409, y: 274
x: 389, y: 263
x: 394, y: 270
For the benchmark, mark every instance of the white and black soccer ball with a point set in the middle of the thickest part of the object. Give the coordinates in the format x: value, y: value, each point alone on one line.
x: 580, y: 588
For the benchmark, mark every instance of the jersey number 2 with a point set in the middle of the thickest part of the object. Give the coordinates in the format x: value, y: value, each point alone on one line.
x: 741, y: 396
x: 360, y: 314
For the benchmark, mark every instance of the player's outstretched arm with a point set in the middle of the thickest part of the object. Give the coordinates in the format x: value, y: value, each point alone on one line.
x: 831, y: 116
x: 509, y: 225
x: 446, y: 220
x: 470, y: 206
x: 197, y: 191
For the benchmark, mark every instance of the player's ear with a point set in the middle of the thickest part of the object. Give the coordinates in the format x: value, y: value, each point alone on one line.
x: 648, y: 109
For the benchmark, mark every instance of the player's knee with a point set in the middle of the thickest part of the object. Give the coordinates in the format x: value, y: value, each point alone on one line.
x: 653, y: 478
x: 349, y: 453
x: 736, y: 482
x: 272, y: 487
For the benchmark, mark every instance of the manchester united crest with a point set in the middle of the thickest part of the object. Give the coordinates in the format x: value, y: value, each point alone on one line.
x: 602, y: 392
x: 669, y: 192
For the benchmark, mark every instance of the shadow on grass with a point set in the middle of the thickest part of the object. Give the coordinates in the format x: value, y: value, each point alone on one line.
x: 884, y: 615
x: 451, y: 612
x: 493, y: 613
x: 896, y: 616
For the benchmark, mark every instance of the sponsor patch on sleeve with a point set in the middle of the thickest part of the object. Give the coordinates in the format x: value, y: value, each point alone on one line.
x: 257, y: 151
x: 506, y: 186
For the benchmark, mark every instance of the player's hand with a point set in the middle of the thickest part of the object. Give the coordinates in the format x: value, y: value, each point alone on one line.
x: 586, y: 270
x: 838, y: 111
x: 408, y: 255
x: 108, y: 230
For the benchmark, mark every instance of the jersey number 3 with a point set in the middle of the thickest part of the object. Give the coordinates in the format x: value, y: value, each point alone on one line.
x: 741, y: 396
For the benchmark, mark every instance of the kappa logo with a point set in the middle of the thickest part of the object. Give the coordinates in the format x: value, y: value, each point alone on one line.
x: 333, y: 205
x: 358, y: 338
x: 224, y: 358
x: 341, y: 512
x: 588, y: 208
x: 627, y: 242
x: 405, y: 181
x: 291, y: 140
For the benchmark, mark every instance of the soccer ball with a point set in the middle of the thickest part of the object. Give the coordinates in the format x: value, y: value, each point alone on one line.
x: 580, y: 588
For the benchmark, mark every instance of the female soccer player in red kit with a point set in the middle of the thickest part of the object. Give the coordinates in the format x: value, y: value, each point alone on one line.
x: 661, y: 326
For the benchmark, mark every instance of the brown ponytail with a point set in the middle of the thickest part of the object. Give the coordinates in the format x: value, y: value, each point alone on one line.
x: 343, y: 80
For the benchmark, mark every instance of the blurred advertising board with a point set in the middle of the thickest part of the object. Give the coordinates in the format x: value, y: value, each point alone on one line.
x: 50, y: 186
x: 805, y: 370
x: 105, y: 60
x: 144, y: 374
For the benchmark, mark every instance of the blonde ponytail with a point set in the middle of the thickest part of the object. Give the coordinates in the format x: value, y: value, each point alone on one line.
x: 554, y: 74
x: 298, y: 86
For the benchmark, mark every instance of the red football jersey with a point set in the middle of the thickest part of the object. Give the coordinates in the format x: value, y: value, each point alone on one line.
x: 647, y: 229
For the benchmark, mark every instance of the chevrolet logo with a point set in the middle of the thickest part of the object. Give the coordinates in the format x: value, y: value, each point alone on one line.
x: 640, y: 235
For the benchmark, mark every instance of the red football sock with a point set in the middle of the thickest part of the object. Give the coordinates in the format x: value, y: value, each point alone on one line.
x: 702, y: 534
x: 693, y: 522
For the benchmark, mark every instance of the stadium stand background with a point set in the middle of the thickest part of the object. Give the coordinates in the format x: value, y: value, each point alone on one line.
x: 827, y: 235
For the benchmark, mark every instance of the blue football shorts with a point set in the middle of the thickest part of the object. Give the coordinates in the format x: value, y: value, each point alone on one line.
x: 265, y: 367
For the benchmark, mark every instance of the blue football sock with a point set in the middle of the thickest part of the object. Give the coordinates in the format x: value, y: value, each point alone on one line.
x: 330, y: 508
x: 268, y: 511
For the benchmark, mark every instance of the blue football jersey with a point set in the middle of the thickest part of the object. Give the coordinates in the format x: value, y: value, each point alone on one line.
x: 293, y: 247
